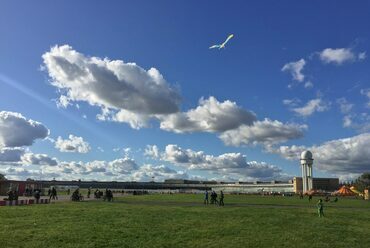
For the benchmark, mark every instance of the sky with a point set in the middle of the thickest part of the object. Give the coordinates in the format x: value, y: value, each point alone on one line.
x: 130, y: 91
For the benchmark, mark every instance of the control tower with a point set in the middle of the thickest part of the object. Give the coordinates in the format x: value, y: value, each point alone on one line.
x: 306, y: 163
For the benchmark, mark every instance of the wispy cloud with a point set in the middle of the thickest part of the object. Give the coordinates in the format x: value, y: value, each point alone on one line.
x: 295, y: 69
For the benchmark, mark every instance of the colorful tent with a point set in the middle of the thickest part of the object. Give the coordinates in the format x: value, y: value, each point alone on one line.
x: 356, y: 191
x: 344, y: 191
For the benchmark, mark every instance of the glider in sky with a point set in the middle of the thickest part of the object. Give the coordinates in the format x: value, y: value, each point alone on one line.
x: 223, y: 44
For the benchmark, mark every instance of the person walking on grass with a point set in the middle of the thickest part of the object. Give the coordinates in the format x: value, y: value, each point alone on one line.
x: 320, y: 208
x: 221, y: 203
x: 214, y: 198
x: 206, y: 198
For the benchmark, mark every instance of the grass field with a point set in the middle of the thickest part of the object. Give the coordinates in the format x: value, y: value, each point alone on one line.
x: 182, y: 221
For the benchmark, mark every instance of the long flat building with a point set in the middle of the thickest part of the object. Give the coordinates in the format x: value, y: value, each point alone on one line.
x: 291, y: 186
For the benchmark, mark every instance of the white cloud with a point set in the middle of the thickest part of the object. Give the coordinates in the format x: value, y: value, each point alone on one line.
x: 264, y: 132
x: 359, y: 122
x: 291, y: 102
x: 210, y: 116
x: 20, y: 173
x: 152, y: 151
x: 123, y: 169
x: 295, y: 69
x: 366, y: 92
x: 16, y: 130
x: 347, y: 121
x: 337, y: 56
x: 341, y: 156
x: 308, y: 85
x: 11, y: 154
x: 312, y: 106
x: 63, y: 102
x: 110, y: 84
x: 344, y: 105
x: 135, y: 121
x: 38, y: 159
x: 232, y: 165
x: 72, y: 144
x: 158, y: 173
x: 361, y: 56
x: 123, y: 166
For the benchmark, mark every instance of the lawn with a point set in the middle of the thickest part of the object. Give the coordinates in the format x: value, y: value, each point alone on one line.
x: 182, y: 221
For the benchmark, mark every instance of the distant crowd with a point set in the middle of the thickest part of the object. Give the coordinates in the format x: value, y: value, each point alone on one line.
x: 214, y: 200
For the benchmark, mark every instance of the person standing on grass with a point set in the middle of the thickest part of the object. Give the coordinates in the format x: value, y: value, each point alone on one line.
x: 221, y: 203
x: 54, y: 193
x: 320, y: 208
x: 50, y: 193
x: 88, y: 193
x: 206, y: 198
x: 215, y: 198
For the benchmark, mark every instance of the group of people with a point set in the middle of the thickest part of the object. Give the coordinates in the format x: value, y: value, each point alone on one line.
x: 214, y: 200
x: 108, y: 195
x: 12, y: 195
x: 52, y: 193
x: 76, y: 195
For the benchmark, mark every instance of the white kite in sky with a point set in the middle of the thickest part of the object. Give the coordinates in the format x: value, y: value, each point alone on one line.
x: 223, y: 44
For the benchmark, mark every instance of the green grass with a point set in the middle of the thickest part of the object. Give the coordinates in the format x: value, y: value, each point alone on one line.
x: 182, y: 221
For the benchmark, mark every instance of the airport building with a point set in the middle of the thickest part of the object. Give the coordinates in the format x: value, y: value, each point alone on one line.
x: 296, y: 185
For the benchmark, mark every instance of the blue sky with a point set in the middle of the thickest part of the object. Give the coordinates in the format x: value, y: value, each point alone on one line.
x: 294, y: 77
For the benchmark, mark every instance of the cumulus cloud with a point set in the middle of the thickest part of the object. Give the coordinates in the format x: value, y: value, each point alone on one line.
x: 72, y: 144
x: 264, y: 132
x: 152, y: 151
x: 19, y: 173
x: 339, y: 55
x: 232, y: 165
x: 312, y: 106
x: 11, y: 154
x: 135, y: 121
x: 110, y: 84
x: 38, y: 159
x: 123, y: 169
x: 123, y: 165
x: 210, y: 116
x: 295, y: 69
x: 149, y: 172
x: 16, y: 130
x: 341, y: 156
x: 18, y: 156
